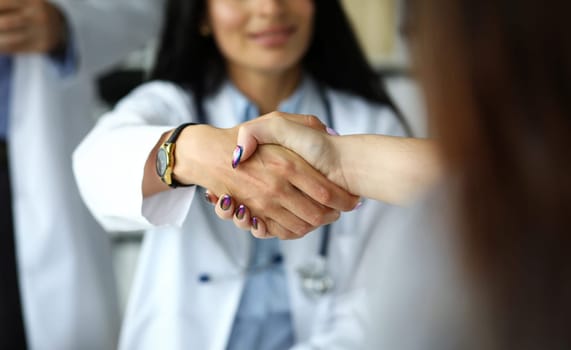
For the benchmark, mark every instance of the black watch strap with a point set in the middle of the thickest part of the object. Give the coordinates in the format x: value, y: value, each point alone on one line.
x: 172, y: 139
x: 176, y: 133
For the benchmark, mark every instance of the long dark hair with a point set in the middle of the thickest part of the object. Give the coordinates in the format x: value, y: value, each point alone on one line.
x: 334, y: 58
x: 497, y: 76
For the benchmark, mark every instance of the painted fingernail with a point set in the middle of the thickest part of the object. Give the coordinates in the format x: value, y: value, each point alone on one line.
x: 236, y: 156
x: 358, y: 206
x: 207, y: 198
x: 255, y: 223
x: 225, y: 202
x: 240, y: 212
x: 332, y: 132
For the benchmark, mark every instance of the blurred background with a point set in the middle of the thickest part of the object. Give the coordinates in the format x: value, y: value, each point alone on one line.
x: 377, y: 23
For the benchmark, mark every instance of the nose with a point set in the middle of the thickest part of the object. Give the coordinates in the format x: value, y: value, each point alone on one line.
x: 271, y: 7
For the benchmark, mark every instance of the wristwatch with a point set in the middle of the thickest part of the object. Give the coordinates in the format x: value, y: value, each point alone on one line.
x: 165, y: 158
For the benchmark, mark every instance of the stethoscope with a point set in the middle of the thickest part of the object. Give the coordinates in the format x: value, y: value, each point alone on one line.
x: 315, y: 279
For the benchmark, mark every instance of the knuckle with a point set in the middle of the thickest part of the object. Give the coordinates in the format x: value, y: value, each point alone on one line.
x: 313, y: 121
x: 331, y: 217
x: 317, y: 219
x: 274, y: 114
x: 302, y: 229
x: 284, y: 167
x: 272, y: 192
x: 335, y: 216
x: 323, y: 195
x: 288, y: 168
x: 290, y: 237
x: 287, y: 235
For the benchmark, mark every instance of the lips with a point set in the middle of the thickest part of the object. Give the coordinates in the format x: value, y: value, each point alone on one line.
x: 273, y: 37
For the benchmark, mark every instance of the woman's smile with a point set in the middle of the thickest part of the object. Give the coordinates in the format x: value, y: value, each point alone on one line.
x: 274, y: 36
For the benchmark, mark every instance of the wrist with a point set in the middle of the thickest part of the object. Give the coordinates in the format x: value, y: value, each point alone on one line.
x: 202, y: 155
x: 335, y: 171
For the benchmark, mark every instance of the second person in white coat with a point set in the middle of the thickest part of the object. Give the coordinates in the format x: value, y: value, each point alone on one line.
x: 202, y: 283
x: 66, y: 278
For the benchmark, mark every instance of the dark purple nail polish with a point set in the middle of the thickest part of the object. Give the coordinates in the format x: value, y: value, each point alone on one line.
x: 255, y: 223
x: 225, y: 202
x: 240, y: 212
x: 207, y: 198
x: 236, y: 156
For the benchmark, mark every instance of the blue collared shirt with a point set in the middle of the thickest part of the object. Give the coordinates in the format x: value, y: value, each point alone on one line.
x: 65, y: 65
x: 263, y: 320
x: 5, y: 81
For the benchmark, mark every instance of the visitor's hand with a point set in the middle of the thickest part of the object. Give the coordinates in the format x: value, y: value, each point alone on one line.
x: 303, y: 134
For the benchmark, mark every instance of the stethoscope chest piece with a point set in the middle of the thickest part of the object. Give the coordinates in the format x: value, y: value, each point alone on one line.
x: 314, y: 278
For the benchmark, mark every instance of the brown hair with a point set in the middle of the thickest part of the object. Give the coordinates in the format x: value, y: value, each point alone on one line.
x: 497, y: 76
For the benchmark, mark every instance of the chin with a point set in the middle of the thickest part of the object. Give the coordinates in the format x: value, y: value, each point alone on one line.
x: 277, y: 64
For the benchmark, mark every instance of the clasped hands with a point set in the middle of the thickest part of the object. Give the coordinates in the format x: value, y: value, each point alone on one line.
x: 30, y: 26
x: 275, y: 193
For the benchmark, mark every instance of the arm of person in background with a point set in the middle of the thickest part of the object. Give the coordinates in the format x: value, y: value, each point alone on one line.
x: 105, y: 31
x: 115, y: 169
x: 96, y: 30
x: 390, y: 169
x: 30, y: 26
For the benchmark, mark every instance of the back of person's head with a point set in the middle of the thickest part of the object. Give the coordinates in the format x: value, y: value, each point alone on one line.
x: 497, y: 77
x: 335, y: 58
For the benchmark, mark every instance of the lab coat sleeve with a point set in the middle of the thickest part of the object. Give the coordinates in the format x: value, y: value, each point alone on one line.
x: 109, y: 163
x: 104, y: 31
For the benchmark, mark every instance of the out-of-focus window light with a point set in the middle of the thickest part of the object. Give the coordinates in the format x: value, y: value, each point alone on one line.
x: 376, y: 23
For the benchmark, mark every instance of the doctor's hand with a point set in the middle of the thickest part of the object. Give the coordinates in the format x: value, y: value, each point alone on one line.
x: 30, y: 26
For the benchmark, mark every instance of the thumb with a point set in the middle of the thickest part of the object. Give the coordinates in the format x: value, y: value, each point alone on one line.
x: 288, y: 130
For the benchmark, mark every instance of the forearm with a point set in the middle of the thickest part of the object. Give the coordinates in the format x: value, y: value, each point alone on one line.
x: 391, y: 169
x: 199, y: 160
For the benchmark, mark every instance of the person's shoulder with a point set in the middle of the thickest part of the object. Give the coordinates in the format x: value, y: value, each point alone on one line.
x: 357, y: 111
x: 159, y: 96
x: 165, y: 90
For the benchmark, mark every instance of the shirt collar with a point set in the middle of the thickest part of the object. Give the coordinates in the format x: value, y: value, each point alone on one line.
x: 246, y: 110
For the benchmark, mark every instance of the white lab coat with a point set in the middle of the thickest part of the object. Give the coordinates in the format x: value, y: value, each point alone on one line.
x: 169, y: 308
x: 66, y: 277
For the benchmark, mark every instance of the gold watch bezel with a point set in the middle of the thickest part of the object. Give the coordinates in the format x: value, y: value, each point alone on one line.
x: 168, y: 148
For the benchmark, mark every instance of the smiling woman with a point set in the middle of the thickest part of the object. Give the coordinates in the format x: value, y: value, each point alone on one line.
x: 202, y: 283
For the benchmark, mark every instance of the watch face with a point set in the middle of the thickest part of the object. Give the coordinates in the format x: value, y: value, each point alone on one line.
x: 162, y: 160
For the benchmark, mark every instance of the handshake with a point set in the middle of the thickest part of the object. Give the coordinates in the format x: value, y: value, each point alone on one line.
x: 290, y: 174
